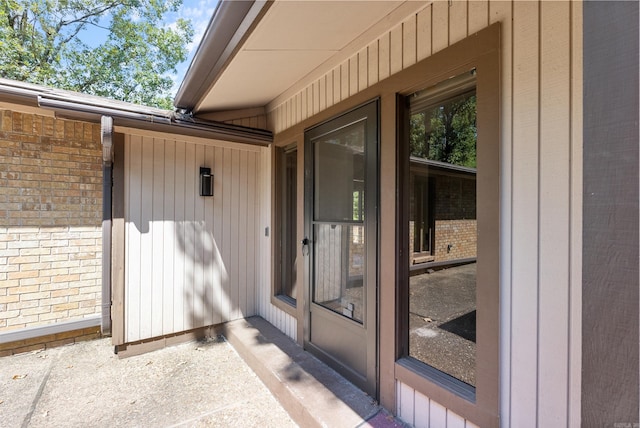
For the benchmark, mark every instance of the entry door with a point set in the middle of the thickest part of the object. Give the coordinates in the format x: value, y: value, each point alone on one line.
x: 341, y: 200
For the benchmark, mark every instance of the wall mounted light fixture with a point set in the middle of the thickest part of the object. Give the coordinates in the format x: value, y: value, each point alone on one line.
x: 206, y: 182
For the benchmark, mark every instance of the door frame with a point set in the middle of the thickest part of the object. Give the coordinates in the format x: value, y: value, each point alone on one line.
x: 370, y: 324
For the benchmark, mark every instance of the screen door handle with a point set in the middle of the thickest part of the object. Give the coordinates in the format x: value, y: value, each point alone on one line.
x: 305, y: 246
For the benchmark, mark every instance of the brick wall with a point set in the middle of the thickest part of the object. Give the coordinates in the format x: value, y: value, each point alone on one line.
x: 50, y: 220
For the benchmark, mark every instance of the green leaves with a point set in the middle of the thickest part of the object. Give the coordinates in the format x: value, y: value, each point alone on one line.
x: 40, y: 43
x: 446, y: 132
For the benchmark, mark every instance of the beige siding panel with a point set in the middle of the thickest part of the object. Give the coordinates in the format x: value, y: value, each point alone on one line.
x: 437, y: 415
x: 337, y: 84
x: 146, y: 241
x: 220, y: 278
x: 234, y: 248
x: 292, y: 111
x: 525, y: 220
x: 372, y: 63
x: 180, y: 227
x: 457, y: 21
x: 395, y: 49
x: 555, y: 171
x: 185, y: 254
x: 252, y: 213
x: 344, y: 80
x: 322, y: 86
x: 303, y: 105
x: 421, y: 410
x: 454, y: 420
x: 188, y: 240
x: 132, y: 238
x: 363, y: 72
x: 297, y: 110
x: 315, y: 87
x: 227, y: 198
x: 384, y: 57
x: 423, y: 33
x: 169, y: 240
x: 353, y: 75
x: 439, y: 25
x: 310, y: 101
x: 478, y: 15
x: 286, y: 122
x: 409, y: 50
x: 242, y: 234
x: 329, y: 88
x: 406, y: 403
x: 157, y: 238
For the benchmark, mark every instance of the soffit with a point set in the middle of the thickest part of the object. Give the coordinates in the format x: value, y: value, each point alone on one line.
x: 290, y: 41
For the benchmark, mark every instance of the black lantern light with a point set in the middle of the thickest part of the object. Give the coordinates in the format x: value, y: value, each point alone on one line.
x: 206, y: 182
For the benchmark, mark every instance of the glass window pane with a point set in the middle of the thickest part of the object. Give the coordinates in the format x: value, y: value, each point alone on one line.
x: 287, y: 205
x: 339, y: 268
x: 339, y: 174
x: 443, y: 234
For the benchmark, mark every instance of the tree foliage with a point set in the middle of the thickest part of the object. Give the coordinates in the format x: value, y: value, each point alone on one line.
x: 41, y: 42
x: 446, y: 132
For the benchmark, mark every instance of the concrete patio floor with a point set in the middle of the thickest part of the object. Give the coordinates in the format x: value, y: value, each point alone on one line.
x: 268, y: 382
x: 87, y: 385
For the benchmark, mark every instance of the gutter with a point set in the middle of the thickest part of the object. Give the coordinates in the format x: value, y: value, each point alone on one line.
x: 169, y: 122
x: 89, y: 108
x: 231, y: 23
x: 107, y: 186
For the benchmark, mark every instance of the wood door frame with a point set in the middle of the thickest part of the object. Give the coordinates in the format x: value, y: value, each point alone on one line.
x: 369, y: 109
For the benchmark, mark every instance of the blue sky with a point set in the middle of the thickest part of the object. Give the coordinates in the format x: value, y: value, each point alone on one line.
x: 200, y: 13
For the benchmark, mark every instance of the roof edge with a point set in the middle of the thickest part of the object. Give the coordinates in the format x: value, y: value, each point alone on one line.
x: 90, y: 108
x: 230, y: 23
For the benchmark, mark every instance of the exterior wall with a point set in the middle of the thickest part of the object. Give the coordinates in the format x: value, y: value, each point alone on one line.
x: 250, y: 122
x: 50, y: 220
x: 541, y: 176
x: 190, y: 261
x: 276, y: 316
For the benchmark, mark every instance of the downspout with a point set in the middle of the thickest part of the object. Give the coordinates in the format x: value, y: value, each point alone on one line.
x: 107, y: 180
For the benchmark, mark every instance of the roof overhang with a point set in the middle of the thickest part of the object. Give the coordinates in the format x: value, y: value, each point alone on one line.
x: 255, y: 51
x: 77, y: 106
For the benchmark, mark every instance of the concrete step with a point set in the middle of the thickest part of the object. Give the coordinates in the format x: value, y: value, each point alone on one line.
x: 313, y: 394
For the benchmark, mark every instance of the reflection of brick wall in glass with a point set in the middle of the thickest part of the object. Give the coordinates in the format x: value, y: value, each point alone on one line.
x: 455, y: 218
x: 442, y: 219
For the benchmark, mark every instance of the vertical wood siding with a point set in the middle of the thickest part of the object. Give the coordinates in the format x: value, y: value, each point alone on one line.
x: 541, y: 176
x: 190, y: 260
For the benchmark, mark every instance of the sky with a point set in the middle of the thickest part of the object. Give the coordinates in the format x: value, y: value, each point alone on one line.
x: 200, y: 13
